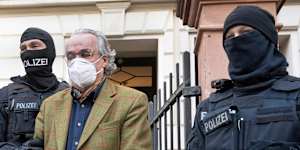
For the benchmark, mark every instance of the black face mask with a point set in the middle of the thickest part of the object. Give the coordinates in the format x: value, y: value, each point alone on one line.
x: 38, y: 63
x: 38, y: 69
x: 252, y: 56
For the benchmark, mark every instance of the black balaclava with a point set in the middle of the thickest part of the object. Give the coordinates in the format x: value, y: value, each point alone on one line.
x: 38, y: 63
x: 253, y: 56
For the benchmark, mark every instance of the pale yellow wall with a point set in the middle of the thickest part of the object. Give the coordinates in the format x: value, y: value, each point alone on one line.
x: 61, y: 21
x: 289, y: 16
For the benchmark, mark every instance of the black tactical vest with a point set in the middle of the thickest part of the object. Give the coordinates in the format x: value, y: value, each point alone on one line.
x: 257, y: 119
x: 22, y: 108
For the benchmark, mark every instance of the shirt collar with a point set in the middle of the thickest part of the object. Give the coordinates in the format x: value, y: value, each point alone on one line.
x: 93, y: 95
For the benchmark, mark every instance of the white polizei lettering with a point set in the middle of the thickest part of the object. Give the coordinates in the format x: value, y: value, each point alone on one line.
x: 211, y: 124
x: 26, y: 105
x: 224, y: 117
x: 203, y: 114
x: 218, y: 120
x: 44, y: 61
x: 215, y: 121
x: 206, y: 126
x: 36, y: 62
x: 19, y: 105
x: 26, y: 63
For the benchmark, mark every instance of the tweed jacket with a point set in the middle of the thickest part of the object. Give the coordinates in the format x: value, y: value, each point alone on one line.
x: 117, y: 121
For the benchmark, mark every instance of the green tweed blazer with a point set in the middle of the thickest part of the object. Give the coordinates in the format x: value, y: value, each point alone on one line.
x: 117, y: 121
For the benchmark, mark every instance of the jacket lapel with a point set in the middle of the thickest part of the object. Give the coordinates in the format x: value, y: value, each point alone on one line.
x: 100, y: 107
x: 62, y: 120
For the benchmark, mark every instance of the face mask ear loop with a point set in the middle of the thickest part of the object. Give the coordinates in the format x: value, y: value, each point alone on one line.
x: 99, y: 71
x: 98, y: 61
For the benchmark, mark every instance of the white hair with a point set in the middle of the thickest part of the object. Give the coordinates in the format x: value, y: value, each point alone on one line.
x: 103, y: 47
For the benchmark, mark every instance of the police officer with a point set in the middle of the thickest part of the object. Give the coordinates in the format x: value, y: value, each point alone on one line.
x: 20, y: 100
x: 259, y: 109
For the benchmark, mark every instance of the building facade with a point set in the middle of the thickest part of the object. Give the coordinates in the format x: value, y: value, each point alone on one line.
x: 136, y: 29
x: 146, y: 34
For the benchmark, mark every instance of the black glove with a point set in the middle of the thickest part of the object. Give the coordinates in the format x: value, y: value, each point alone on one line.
x: 33, y: 145
x: 8, y: 146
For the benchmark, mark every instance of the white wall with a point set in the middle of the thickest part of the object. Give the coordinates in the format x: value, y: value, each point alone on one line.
x: 12, y: 27
x: 289, y: 16
x: 61, y: 24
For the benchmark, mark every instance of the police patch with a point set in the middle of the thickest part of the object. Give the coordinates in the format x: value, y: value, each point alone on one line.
x: 212, y: 123
x: 21, y: 105
x: 33, y: 105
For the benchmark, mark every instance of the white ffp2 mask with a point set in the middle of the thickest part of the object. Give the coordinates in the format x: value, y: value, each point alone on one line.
x: 82, y: 72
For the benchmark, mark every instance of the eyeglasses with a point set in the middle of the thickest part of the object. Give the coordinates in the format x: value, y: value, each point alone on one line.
x: 83, y: 53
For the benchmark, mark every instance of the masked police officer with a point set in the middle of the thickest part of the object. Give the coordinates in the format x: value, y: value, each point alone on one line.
x: 259, y: 109
x: 20, y: 100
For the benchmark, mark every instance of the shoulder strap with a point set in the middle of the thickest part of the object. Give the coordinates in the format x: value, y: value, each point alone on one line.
x: 4, y: 100
x: 294, y: 94
x: 218, y: 97
x: 287, y: 84
x: 298, y: 108
x: 15, y: 88
x: 12, y: 89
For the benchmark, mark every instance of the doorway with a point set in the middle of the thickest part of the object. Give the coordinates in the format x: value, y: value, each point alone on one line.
x: 137, y: 64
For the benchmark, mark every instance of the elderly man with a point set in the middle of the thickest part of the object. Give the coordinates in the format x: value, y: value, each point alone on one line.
x: 20, y: 101
x: 95, y: 114
x: 259, y: 108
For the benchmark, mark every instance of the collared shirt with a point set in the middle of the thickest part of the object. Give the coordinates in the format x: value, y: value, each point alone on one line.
x: 79, y: 115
